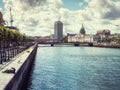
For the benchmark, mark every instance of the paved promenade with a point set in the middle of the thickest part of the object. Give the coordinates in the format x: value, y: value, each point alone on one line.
x: 16, y: 63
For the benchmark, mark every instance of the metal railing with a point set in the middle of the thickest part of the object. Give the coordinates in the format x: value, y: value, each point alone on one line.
x: 6, y: 54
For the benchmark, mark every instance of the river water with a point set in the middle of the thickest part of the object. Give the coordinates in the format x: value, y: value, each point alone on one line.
x: 75, y: 68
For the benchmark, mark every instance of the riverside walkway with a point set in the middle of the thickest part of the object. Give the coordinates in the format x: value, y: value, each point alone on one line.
x: 16, y: 63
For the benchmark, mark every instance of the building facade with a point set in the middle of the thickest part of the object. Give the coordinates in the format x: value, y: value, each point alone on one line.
x: 102, y: 36
x: 58, y: 31
x: 81, y: 37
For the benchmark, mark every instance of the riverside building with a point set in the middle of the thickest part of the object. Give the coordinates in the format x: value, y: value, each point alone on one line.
x: 81, y: 37
x: 102, y: 36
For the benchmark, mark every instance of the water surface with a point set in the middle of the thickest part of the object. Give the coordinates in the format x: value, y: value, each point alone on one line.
x: 75, y: 68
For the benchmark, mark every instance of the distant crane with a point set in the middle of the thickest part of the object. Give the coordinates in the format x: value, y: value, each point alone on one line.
x: 11, y: 17
x: 11, y: 22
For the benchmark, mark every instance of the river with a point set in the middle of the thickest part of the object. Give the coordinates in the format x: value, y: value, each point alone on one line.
x: 75, y: 68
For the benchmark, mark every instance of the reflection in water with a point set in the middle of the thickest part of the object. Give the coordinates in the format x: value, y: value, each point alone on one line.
x: 76, y: 68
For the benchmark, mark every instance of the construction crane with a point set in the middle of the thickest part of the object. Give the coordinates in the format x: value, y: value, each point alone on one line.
x: 11, y: 17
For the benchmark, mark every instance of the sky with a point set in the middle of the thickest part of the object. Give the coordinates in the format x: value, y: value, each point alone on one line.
x: 37, y: 17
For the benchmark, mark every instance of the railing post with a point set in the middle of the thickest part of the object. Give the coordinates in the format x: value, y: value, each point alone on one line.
x: 0, y: 56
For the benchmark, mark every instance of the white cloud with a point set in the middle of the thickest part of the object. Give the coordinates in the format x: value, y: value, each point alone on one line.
x: 58, y: 2
x: 87, y: 1
x: 104, y: 9
x: 37, y: 17
x: 1, y: 9
x: 28, y: 4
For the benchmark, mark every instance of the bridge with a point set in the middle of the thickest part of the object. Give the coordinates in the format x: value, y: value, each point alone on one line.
x: 69, y: 43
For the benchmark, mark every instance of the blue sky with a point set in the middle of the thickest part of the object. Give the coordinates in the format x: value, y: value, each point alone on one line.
x: 1, y: 4
x: 70, y: 4
x: 73, y: 4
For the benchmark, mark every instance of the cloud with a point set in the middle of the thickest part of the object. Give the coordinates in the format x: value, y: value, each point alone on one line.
x: 37, y: 17
x: 104, y: 9
x: 28, y: 4
x: 0, y: 9
x: 58, y: 2
x: 87, y: 1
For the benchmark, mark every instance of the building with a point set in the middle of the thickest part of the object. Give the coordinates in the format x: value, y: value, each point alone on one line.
x: 1, y: 19
x: 102, y: 36
x: 81, y: 37
x: 58, y: 31
x: 71, y: 37
x: 104, y: 32
x: 114, y: 36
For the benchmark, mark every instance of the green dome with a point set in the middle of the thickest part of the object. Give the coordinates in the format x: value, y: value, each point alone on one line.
x: 82, y: 30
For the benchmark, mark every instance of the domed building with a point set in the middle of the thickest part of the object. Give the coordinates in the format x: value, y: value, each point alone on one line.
x: 82, y: 30
x: 81, y: 37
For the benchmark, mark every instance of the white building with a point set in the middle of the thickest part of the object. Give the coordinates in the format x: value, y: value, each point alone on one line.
x: 81, y: 37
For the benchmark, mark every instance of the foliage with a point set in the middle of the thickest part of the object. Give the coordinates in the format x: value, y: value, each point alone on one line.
x: 115, y: 39
x: 10, y: 35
